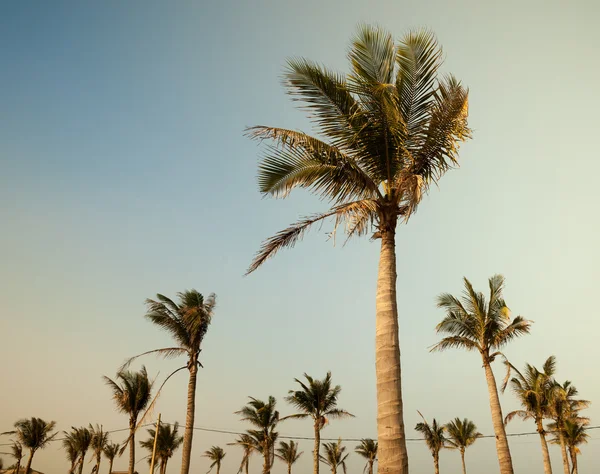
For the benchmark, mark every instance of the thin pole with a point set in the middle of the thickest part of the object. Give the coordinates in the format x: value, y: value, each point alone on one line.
x: 154, y: 448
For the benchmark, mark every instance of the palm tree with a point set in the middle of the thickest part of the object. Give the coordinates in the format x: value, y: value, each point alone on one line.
x: 533, y: 390
x: 485, y: 327
x: 318, y: 400
x: 72, y: 450
x: 564, y: 407
x: 99, y: 442
x: 167, y: 442
x: 34, y: 434
x: 574, y: 435
x: 82, y: 439
x: 248, y: 444
x: 216, y: 455
x: 288, y: 453
x: 265, y: 418
x: 131, y: 398
x: 187, y: 322
x: 16, y: 451
x: 391, y: 128
x: 111, y: 450
x: 334, y: 456
x: 434, y: 438
x: 461, y: 435
x: 368, y: 450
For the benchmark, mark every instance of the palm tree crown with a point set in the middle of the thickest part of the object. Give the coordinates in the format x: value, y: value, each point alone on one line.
x: 334, y: 456
x: 433, y: 434
x: 16, y: 451
x: 167, y: 442
x: 288, y: 453
x: 111, y: 450
x: 461, y: 433
x: 249, y: 445
x: 98, y: 443
x: 216, y: 455
x: 368, y: 450
x: 34, y: 434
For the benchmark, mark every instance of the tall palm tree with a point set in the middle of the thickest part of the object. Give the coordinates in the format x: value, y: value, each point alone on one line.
x: 564, y: 407
x: 34, y: 434
x: 263, y: 416
x: 288, y: 453
x: 216, y: 455
x: 167, y: 442
x: 533, y: 390
x: 187, y: 322
x: 475, y: 324
x: 318, y: 400
x: 434, y: 438
x: 249, y: 446
x: 16, y: 451
x: 99, y: 442
x: 334, y: 456
x: 574, y: 435
x: 131, y: 397
x: 461, y: 435
x: 111, y: 450
x: 391, y: 128
x: 368, y: 450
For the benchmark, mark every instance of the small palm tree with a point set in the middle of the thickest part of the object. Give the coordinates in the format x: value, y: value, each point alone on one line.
x: 368, y: 450
x: 216, y: 455
x: 16, y: 451
x: 131, y: 397
x: 167, y: 442
x: 99, y: 442
x: 187, y: 322
x: 249, y: 446
x: 288, y: 453
x: 574, y: 435
x: 461, y: 435
x: 34, y: 434
x: 72, y: 450
x: 533, y: 390
x: 111, y: 450
x: 484, y: 327
x: 434, y: 438
x: 334, y: 456
x: 390, y: 129
x: 265, y: 418
x: 318, y: 400
x: 82, y: 439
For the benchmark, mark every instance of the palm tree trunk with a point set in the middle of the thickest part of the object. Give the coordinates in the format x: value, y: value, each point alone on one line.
x: 247, y: 465
x: 219, y: 467
x: 462, y: 458
x: 189, y: 418
x: 563, y: 449
x: 28, y: 468
x: 317, y: 446
x: 392, y: 454
x: 132, y: 445
x: 504, y: 458
x: 163, y: 466
x: 289, y: 468
x: 98, y: 460
x: 574, y: 470
x: 266, y: 455
x: 18, y: 467
x: 371, y: 461
x: 545, y: 452
x: 110, y: 466
x: 436, y: 463
x: 81, y: 460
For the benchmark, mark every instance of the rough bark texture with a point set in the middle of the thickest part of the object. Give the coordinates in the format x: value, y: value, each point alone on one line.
x: 462, y: 459
x: 317, y: 446
x: 563, y: 449
x: 189, y: 419
x: 28, y: 468
x: 502, y: 448
x: 266, y: 456
x: 392, y: 454
x: 131, y: 469
x: 545, y: 452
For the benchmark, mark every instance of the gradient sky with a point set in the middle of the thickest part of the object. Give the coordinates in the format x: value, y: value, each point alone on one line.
x: 125, y: 173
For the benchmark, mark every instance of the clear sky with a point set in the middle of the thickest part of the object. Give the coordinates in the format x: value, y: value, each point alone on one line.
x: 125, y: 173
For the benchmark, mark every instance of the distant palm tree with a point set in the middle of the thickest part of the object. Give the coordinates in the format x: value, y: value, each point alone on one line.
x: 318, y: 400
x: 288, y: 453
x: 334, y: 456
x: 265, y: 418
x: 82, y: 438
x: 72, y: 449
x: 368, y: 450
x: 249, y: 446
x: 484, y: 327
x: 533, y: 390
x: 99, y: 442
x: 390, y: 129
x: 131, y: 397
x: 167, y: 442
x: 111, y: 450
x: 16, y: 451
x: 461, y: 435
x: 216, y: 455
x: 187, y: 322
x: 574, y: 435
x: 34, y: 434
x: 434, y: 438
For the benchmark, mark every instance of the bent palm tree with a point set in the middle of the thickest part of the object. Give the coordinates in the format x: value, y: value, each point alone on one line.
x: 533, y: 390
x: 484, y: 327
x: 288, y: 453
x: 16, y: 451
x: 368, y: 450
x: 131, y: 397
x: 434, y: 438
x: 317, y: 399
x: 72, y: 449
x: 334, y: 456
x: 34, y: 434
x: 461, y: 435
x: 248, y: 444
x: 82, y: 438
x: 167, y: 442
x: 111, y: 450
x: 391, y: 129
x: 99, y: 442
x: 574, y: 435
x: 187, y: 322
x: 265, y: 418
x: 216, y: 455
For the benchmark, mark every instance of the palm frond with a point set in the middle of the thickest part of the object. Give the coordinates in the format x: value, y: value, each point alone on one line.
x: 166, y: 353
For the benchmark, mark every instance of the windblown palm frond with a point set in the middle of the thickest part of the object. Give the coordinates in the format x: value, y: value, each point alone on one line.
x: 334, y: 456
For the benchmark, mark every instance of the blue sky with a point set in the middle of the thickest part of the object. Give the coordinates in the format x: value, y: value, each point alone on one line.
x: 125, y: 173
